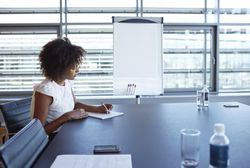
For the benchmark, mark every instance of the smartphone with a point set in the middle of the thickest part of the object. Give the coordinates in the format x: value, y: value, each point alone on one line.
x: 231, y: 105
x: 102, y: 149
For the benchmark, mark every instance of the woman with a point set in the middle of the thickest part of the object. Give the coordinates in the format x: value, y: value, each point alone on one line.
x: 53, y: 100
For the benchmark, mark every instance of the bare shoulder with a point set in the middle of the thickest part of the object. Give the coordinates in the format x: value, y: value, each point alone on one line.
x: 43, y: 98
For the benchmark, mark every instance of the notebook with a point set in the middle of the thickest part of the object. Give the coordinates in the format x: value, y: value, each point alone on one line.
x: 104, y: 116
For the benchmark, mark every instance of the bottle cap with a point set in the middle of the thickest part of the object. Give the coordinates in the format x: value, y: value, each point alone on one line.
x: 219, y: 128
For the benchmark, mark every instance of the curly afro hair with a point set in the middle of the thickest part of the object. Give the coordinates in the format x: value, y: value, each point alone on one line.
x: 58, y: 55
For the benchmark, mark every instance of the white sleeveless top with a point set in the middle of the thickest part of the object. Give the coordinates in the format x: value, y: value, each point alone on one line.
x: 63, y: 99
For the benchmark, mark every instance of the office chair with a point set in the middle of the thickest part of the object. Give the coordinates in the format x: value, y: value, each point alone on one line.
x: 16, y: 114
x: 25, y: 146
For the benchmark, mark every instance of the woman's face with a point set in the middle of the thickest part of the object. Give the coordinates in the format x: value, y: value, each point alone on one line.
x: 72, y: 72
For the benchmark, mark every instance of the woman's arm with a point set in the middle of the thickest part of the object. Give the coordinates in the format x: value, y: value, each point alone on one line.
x: 91, y: 108
x: 41, y: 109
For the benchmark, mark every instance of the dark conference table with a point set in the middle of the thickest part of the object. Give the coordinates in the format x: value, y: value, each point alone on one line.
x: 151, y: 134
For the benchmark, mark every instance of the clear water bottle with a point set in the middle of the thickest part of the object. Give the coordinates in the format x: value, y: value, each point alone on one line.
x: 219, y: 148
x: 199, y: 99
x: 205, y: 96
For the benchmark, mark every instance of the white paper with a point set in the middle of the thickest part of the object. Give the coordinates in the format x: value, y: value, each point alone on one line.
x: 104, y: 116
x: 92, y: 161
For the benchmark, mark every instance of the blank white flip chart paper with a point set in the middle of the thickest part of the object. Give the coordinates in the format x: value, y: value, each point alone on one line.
x: 138, y: 56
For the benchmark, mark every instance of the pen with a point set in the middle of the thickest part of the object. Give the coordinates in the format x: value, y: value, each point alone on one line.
x: 107, y: 110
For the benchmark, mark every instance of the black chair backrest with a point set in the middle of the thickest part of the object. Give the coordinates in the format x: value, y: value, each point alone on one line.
x: 16, y: 114
x: 25, y: 146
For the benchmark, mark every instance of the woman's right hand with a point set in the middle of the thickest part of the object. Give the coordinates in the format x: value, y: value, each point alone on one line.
x: 77, y: 114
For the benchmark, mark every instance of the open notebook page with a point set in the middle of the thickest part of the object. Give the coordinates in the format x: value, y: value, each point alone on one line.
x: 104, y: 116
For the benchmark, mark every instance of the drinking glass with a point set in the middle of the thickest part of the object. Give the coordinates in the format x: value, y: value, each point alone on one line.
x: 190, y: 147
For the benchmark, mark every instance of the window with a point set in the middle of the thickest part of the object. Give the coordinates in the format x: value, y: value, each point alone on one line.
x: 175, y: 11
x: 187, y: 57
x: 202, y: 43
x: 234, y: 71
x: 19, y: 66
x: 96, y: 73
x: 98, y: 11
x: 232, y: 11
x: 42, y: 11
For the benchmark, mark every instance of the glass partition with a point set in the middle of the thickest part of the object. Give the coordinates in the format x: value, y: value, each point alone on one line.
x: 234, y: 71
x: 187, y: 57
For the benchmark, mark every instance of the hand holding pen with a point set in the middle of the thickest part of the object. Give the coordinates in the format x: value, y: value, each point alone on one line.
x: 108, y: 107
